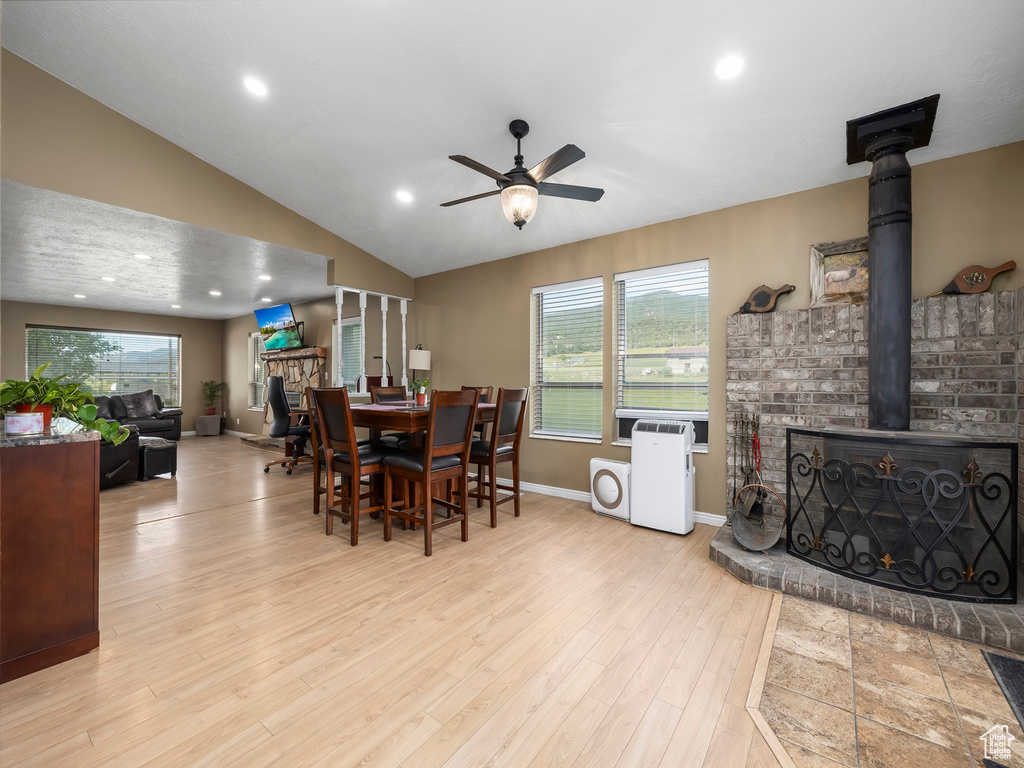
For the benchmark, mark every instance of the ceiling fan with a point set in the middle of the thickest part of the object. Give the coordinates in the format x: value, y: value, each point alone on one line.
x: 519, y: 187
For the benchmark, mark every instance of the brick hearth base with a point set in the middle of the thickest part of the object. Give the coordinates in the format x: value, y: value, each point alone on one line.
x: 1001, y: 626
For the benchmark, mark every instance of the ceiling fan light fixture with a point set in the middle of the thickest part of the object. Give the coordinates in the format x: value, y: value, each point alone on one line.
x: 519, y: 203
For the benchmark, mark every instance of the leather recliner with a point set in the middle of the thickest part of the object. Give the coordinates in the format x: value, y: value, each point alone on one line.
x: 166, y: 423
x: 120, y: 463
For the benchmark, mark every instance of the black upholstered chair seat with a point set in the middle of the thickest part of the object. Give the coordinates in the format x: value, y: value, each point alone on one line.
x: 368, y: 454
x: 398, y: 440
x: 414, y: 461
x: 482, y: 449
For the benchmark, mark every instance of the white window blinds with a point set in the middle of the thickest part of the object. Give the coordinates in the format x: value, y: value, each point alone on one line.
x: 257, y: 379
x: 351, y: 351
x: 567, y: 363
x: 108, y: 362
x: 662, y: 361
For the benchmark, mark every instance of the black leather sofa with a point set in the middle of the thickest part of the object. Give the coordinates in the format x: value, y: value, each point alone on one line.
x: 119, y: 463
x: 165, y: 423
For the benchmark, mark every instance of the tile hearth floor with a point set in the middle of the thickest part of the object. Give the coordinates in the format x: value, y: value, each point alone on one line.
x: 844, y: 689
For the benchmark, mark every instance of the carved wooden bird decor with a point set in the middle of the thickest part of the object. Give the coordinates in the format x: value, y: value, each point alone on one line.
x: 763, y: 298
x: 976, y: 278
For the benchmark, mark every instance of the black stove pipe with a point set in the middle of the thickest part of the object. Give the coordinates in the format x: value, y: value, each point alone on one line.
x: 884, y: 138
x: 889, y: 272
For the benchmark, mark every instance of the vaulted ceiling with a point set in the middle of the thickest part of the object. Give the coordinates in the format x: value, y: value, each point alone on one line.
x: 369, y: 97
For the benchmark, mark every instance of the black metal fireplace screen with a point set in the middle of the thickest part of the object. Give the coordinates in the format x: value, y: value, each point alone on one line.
x: 935, y: 517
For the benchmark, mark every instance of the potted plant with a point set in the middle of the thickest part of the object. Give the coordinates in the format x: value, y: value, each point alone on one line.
x: 419, y: 386
x: 212, y: 391
x: 52, y: 398
x: 34, y: 394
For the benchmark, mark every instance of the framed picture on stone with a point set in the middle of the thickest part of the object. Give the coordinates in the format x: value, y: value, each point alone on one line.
x: 839, y: 272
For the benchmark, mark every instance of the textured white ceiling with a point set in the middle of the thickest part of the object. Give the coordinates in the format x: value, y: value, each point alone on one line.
x: 369, y: 96
x: 53, y: 246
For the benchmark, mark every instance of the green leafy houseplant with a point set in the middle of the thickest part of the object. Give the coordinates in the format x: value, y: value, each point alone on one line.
x: 67, y: 400
x: 212, y: 391
x: 36, y: 390
x: 110, y: 431
x: 418, y: 384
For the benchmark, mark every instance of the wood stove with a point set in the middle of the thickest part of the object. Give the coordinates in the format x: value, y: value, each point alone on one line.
x: 922, y: 513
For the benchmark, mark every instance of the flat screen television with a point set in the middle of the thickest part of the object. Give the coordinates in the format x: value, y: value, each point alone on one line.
x: 278, y: 327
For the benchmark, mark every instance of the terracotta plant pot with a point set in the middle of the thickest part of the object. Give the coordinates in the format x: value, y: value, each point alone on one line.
x: 46, y: 410
x: 211, y: 411
x: 421, y: 398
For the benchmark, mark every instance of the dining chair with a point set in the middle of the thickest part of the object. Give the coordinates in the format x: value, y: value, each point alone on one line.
x: 317, y: 450
x: 445, y: 456
x: 344, y: 455
x: 283, y: 425
x: 504, y: 445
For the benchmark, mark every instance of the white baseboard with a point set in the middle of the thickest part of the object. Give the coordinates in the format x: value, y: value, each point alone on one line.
x: 567, y: 493
x: 709, y: 519
x: 236, y: 433
x: 190, y: 433
x: 551, y: 490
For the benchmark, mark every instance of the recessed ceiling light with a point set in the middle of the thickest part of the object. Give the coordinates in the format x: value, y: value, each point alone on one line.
x: 79, y: 295
x: 255, y: 86
x: 404, y: 196
x: 108, y: 279
x: 175, y: 306
x: 143, y: 256
x: 215, y: 293
x: 729, y: 67
x: 266, y: 299
x: 265, y: 277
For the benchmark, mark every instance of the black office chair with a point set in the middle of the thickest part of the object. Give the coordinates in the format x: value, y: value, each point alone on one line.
x: 282, y: 425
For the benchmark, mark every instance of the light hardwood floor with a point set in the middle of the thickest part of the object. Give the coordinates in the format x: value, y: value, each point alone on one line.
x: 235, y: 633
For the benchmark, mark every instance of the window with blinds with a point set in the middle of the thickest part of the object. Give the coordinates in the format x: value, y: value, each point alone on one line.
x: 257, y: 378
x: 567, y: 360
x: 351, y: 351
x: 661, y: 359
x: 108, y: 362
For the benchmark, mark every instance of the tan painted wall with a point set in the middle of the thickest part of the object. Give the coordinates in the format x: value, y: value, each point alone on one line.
x: 56, y: 137
x: 318, y: 317
x: 201, y: 342
x: 476, y: 320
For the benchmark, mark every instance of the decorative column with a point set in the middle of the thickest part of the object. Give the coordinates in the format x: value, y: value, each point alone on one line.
x: 339, y: 373
x: 404, y: 305
x: 884, y: 138
x: 384, y: 340
x: 362, y: 342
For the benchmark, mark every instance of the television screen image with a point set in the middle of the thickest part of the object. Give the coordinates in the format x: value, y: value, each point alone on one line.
x: 277, y: 327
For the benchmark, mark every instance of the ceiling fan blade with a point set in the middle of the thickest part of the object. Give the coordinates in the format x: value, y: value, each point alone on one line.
x: 474, y: 197
x: 479, y: 167
x: 552, y: 164
x: 571, y: 191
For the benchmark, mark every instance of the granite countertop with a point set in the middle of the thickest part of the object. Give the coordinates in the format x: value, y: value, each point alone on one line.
x: 44, y: 438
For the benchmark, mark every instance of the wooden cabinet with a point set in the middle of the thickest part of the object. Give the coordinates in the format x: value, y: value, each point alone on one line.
x: 49, y: 551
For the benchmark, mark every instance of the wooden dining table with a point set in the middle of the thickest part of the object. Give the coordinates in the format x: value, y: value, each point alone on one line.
x: 405, y: 416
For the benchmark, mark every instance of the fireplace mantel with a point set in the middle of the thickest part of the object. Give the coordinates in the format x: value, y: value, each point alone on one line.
x: 294, y: 354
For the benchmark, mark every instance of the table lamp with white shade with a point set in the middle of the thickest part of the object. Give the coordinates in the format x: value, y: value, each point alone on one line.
x: 419, y: 360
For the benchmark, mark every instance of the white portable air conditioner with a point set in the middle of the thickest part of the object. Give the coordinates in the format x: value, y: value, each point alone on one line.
x: 662, y: 481
x: 609, y: 487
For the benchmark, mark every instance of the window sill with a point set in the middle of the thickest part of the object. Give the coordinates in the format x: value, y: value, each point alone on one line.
x: 255, y: 410
x: 629, y: 444
x: 566, y: 439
